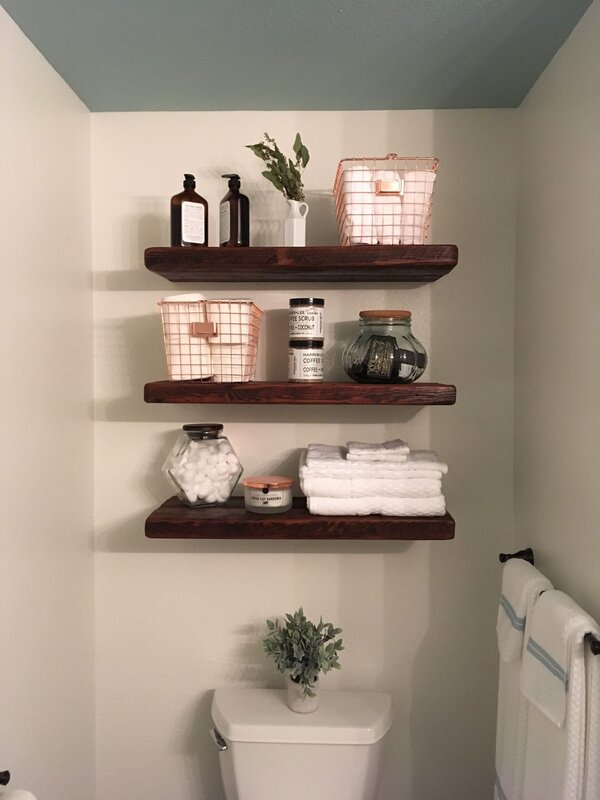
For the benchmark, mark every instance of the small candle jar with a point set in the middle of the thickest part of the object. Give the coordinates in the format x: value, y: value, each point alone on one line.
x: 268, y: 494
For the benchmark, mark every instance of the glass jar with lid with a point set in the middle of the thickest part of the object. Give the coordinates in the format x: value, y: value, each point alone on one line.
x: 385, y: 350
x: 203, y: 466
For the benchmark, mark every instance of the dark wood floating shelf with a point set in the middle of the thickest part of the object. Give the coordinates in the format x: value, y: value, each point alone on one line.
x: 172, y: 520
x: 422, y: 263
x: 286, y: 393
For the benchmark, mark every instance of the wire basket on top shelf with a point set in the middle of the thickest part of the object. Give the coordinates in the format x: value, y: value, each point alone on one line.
x: 384, y: 200
x: 211, y: 340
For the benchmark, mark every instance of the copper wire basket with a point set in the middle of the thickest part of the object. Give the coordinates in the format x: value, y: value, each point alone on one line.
x: 211, y: 340
x: 384, y: 200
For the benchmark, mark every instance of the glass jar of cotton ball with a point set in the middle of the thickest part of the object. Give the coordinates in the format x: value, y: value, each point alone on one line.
x: 203, y: 466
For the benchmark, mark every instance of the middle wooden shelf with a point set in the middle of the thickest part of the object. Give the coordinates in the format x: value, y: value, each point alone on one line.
x: 288, y: 393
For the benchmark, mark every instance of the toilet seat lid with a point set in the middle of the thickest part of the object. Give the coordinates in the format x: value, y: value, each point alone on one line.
x: 262, y: 715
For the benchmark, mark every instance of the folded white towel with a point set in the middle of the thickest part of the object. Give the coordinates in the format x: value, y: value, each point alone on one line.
x: 418, y: 188
x: 359, y: 204
x: 554, y: 646
x: 394, y: 450
x: 367, y: 449
x: 326, y: 455
x: 522, y: 584
x: 355, y: 486
x: 388, y: 209
x: 388, y: 506
x: 332, y: 460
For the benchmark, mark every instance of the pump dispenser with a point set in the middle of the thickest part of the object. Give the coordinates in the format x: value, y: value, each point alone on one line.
x: 189, y: 217
x: 234, y: 215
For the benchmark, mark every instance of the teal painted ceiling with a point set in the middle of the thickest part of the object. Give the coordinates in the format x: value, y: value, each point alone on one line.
x: 172, y: 55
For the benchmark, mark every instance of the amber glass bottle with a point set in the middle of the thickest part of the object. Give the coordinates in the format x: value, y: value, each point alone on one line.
x: 189, y: 217
x: 234, y: 215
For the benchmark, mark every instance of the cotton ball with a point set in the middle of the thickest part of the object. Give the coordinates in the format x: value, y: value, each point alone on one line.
x: 221, y: 468
x: 211, y: 498
x: 204, y: 488
x: 212, y: 458
x: 231, y: 458
x: 225, y: 447
x: 191, y: 494
x: 201, y: 456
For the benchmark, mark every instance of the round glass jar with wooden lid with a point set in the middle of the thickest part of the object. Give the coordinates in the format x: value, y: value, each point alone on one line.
x: 385, y: 350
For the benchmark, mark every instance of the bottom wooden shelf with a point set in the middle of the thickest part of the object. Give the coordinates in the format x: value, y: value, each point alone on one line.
x: 172, y: 520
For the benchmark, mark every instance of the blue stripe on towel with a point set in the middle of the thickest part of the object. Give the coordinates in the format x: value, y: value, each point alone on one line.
x: 537, y: 651
x: 517, y: 622
x: 499, y: 791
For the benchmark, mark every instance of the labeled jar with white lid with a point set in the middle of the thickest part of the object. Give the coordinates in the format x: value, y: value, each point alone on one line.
x: 305, y: 360
x: 268, y: 494
x: 203, y: 466
x: 385, y: 350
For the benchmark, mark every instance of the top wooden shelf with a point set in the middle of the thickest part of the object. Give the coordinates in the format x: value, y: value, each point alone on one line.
x: 418, y: 263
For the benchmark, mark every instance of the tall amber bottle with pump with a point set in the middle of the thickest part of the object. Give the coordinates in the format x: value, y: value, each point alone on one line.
x: 234, y: 215
x: 189, y: 217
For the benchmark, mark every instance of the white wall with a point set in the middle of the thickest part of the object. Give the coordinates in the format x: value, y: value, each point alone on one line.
x: 558, y: 324
x: 46, y: 553
x: 176, y: 619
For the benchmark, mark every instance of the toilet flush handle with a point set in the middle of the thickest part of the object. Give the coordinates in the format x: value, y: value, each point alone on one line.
x: 219, y: 741
x: 4, y: 778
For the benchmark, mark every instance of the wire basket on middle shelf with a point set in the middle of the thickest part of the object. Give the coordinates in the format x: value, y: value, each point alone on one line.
x: 384, y: 200
x: 210, y: 339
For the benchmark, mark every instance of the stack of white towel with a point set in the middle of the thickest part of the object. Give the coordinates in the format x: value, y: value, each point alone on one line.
x: 364, y: 478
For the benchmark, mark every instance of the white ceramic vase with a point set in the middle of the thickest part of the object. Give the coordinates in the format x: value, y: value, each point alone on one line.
x: 294, y: 225
x: 298, y: 701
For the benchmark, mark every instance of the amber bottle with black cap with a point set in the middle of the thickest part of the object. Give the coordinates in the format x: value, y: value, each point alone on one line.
x: 189, y: 217
x: 234, y: 215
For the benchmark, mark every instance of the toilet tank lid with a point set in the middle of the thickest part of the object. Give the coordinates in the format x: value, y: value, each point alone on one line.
x: 262, y: 715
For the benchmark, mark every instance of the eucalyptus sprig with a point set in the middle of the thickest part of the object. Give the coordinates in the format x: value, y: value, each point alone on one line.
x: 284, y: 174
x: 303, y: 648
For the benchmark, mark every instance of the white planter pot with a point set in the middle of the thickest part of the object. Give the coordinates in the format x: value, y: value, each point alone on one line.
x: 294, y: 226
x: 298, y: 701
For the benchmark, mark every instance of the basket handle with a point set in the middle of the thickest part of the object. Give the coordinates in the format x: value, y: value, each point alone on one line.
x: 385, y: 187
x: 203, y: 329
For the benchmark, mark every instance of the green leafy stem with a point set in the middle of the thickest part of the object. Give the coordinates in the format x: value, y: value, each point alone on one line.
x: 284, y: 173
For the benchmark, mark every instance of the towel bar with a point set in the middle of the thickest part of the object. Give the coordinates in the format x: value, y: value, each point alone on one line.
x: 527, y: 555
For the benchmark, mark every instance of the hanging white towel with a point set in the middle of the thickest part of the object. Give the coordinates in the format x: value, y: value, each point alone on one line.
x: 522, y: 584
x: 554, y: 646
x: 388, y: 506
x: 592, y: 746
x: 554, y: 680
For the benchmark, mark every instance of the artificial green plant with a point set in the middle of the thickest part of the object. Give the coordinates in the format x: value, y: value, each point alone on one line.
x: 303, y: 649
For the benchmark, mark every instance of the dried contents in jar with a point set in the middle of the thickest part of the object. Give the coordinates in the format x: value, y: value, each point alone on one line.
x: 385, y: 351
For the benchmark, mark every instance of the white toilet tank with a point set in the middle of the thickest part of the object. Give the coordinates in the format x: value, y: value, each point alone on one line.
x: 272, y: 753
